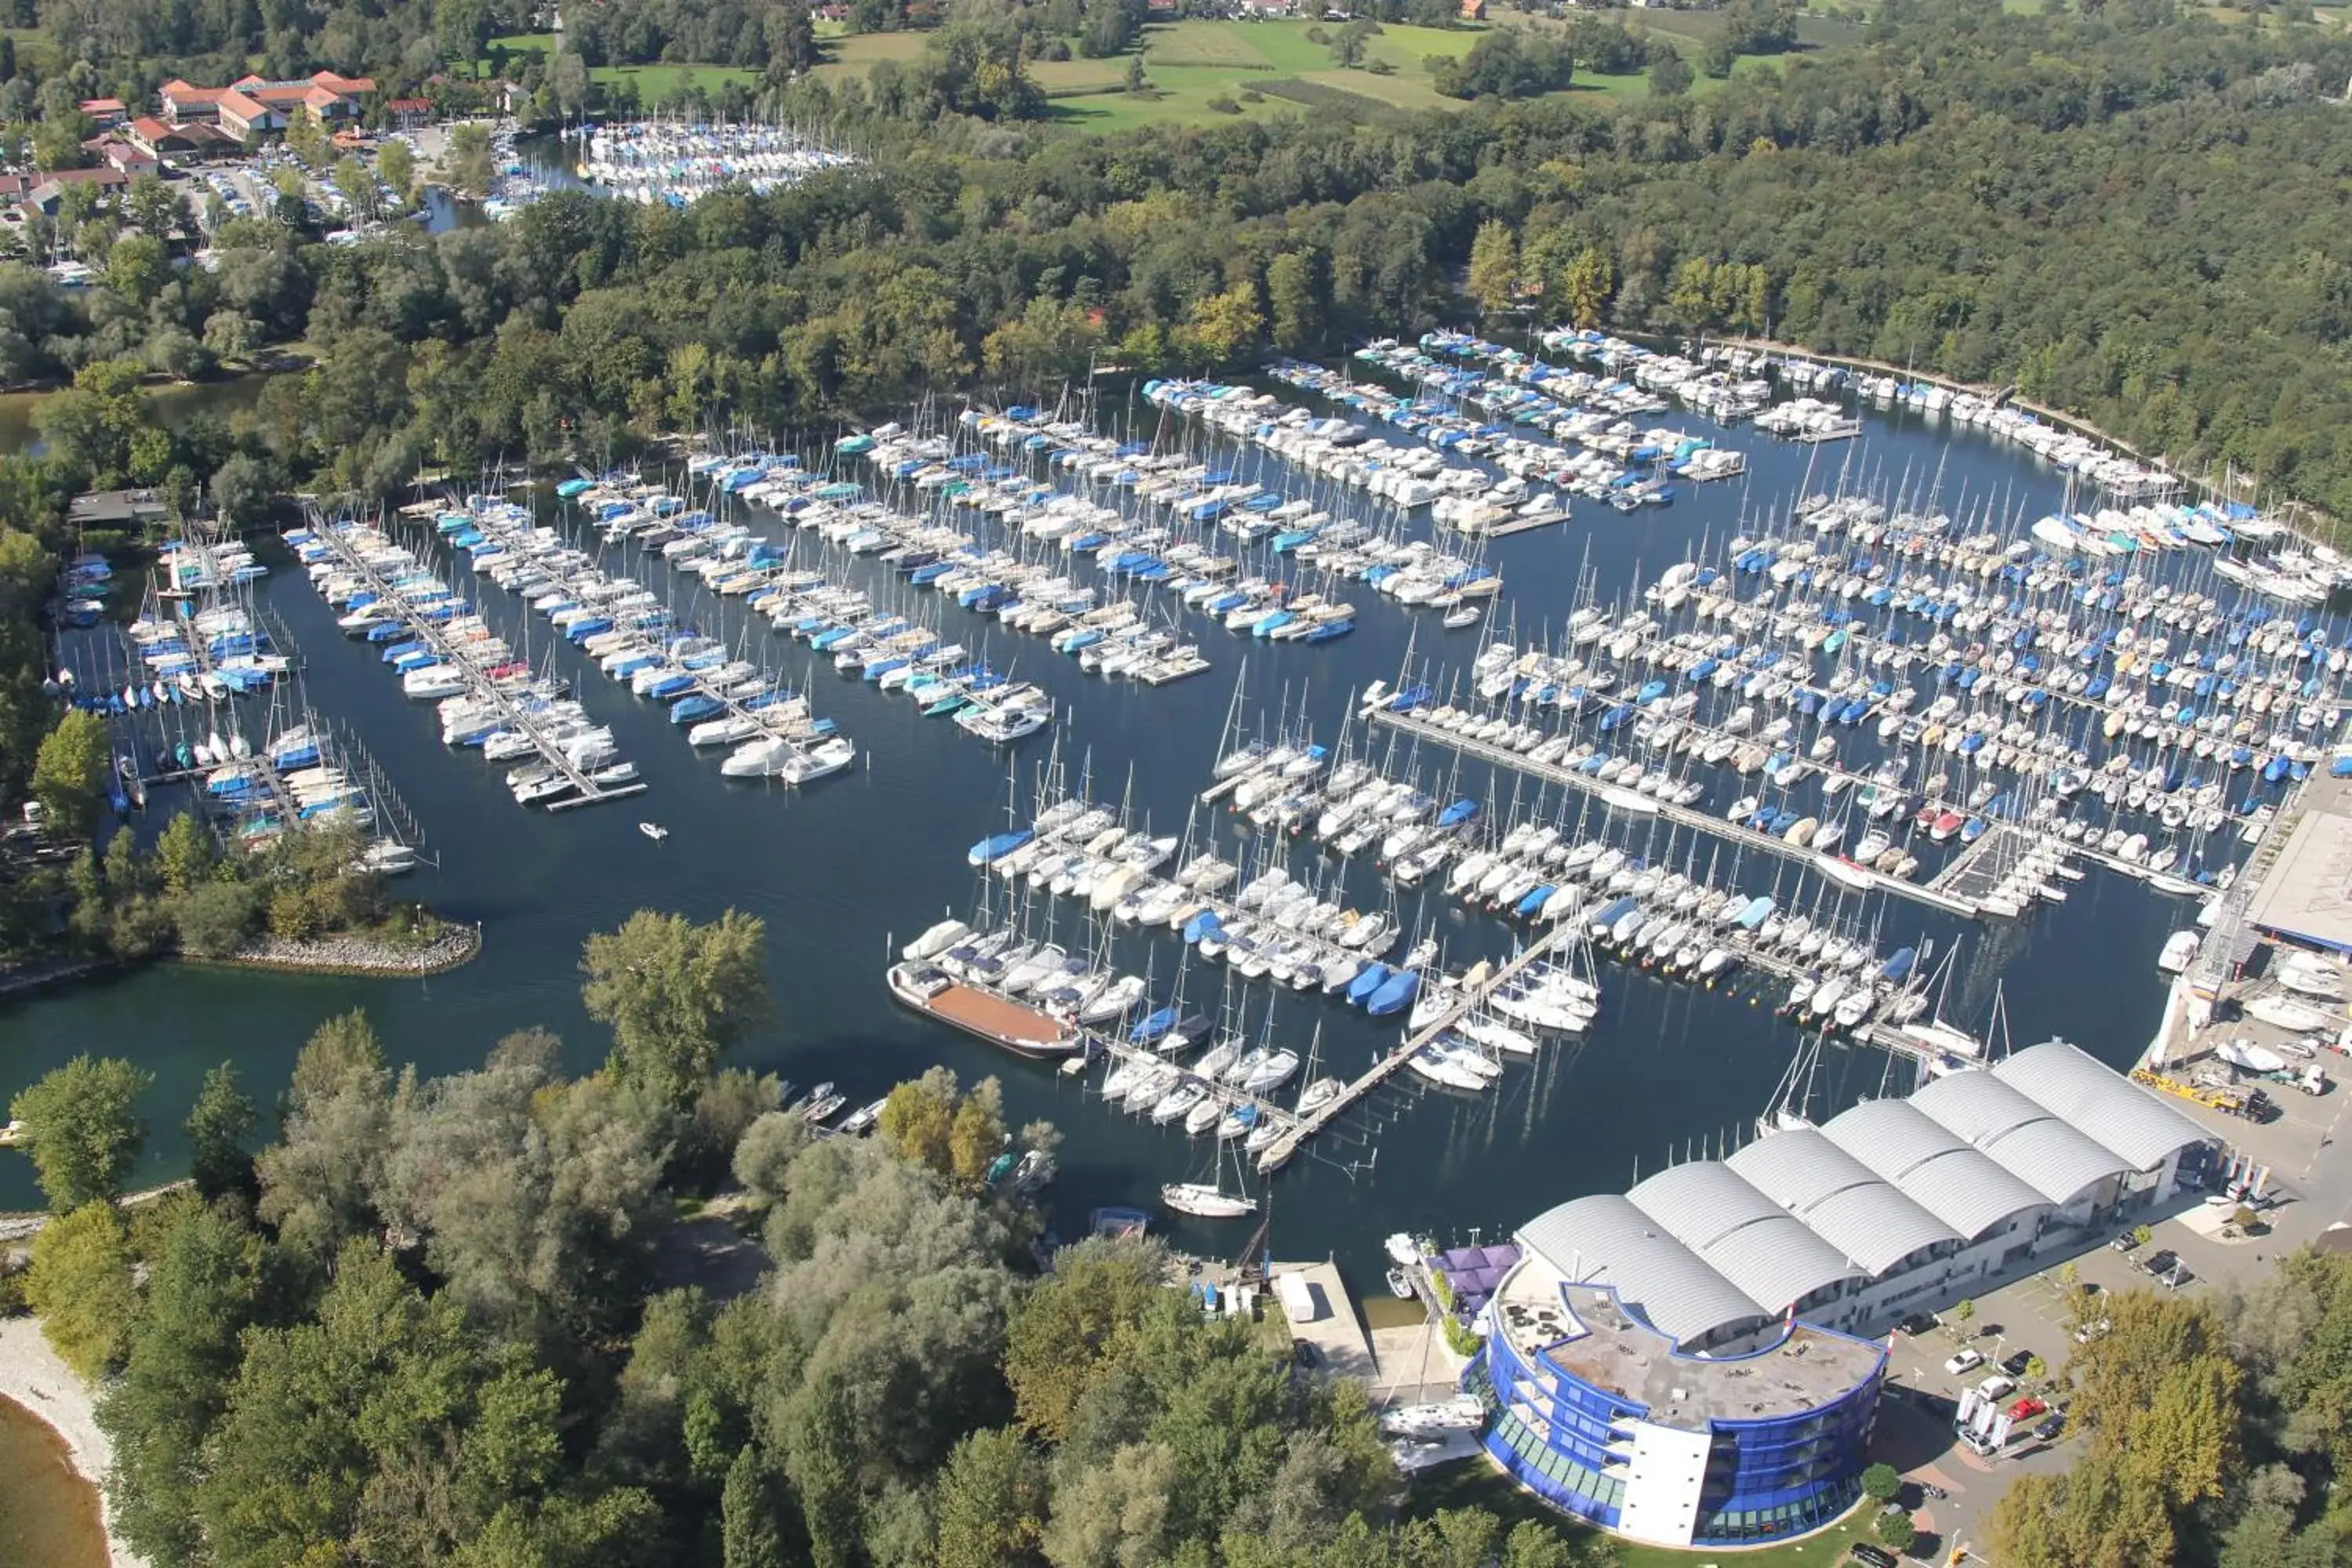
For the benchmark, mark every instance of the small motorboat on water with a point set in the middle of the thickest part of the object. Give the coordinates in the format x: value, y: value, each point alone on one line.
x: 1400, y: 1285
x: 653, y: 830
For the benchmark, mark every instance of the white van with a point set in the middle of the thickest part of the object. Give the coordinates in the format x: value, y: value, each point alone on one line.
x: 1996, y: 1386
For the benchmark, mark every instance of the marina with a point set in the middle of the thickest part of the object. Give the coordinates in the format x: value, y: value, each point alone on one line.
x: 831, y: 543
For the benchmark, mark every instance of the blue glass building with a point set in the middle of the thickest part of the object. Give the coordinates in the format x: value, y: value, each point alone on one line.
x: 1601, y: 1415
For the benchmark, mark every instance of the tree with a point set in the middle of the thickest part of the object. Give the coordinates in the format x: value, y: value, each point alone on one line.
x: 70, y: 773
x: 80, y: 1286
x: 1494, y: 267
x: 395, y: 164
x: 1962, y: 1310
x: 82, y: 1127
x: 223, y: 1118
x: 991, y: 1502
x: 1670, y: 74
x: 241, y: 489
x: 569, y: 81
x: 468, y: 163
x: 747, y: 1515
x: 204, y: 1286
x: 215, y: 918
x: 1880, y: 1482
x: 678, y: 995
x: 1897, y: 1530
x: 1075, y: 1325
x: 183, y: 853
x: 318, y: 1182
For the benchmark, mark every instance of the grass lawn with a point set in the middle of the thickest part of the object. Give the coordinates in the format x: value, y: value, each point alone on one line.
x: 1189, y: 63
x: 657, y: 82
x: 1475, y: 1484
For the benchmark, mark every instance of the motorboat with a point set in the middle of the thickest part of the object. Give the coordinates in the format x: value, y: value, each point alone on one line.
x: 657, y: 832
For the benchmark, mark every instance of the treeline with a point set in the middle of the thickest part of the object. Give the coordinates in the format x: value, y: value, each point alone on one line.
x: 459, y: 1320
x: 2213, y: 1431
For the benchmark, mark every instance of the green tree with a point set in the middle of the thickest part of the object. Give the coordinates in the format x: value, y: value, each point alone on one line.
x: 318, y: 1182
x: 215, y: 918
x: 221, y: 1120
x: 70, y: 773
x: 747, y: 1515
x: 1076, y: 1325
x: 1670, y: 74
x: 1897, y: 1530
x: 82, y: 1129
x: 183, y: 853
x: 395, y: 164
x: 204, y: 1287
x: 991, y: 1502
x: 1494, y: 267
x: 678, y: 995
x: 1293, y: 290
x: 80, y: 1286
x: 1880, y: 1482
x: 1963, y: 1310
x: 468, y: 163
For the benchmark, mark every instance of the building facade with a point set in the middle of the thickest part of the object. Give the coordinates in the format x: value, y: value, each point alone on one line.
x: 1601, y: 1415
x: 1695, y: 1361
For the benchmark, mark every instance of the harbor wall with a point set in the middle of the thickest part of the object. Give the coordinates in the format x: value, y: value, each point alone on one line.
x: 354, y: 955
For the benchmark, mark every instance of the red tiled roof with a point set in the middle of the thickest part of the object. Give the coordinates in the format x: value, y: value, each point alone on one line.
x: 410, y: 106
x: 233, y: 102
x: 101, y: 106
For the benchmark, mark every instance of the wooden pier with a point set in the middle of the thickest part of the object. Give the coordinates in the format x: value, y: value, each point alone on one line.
x: 586, y: 791
x: 1467, y: 999
x: 1844, y: 873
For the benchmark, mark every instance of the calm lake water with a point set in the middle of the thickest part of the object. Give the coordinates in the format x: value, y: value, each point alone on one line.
x: 879, y: 853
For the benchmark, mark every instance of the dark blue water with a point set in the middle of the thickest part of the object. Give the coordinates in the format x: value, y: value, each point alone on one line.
x: 877, y: 854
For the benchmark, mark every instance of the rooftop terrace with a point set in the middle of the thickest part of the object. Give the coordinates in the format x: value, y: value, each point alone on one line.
x: 1588, y: 1333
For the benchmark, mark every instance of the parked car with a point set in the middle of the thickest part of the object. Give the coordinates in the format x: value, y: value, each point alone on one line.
x: 2160, y: 1262
x: 2176, y: 1277
x: 2090, y: 1331
x: 2027, y: 1409
x: 1876, y: 1556
x: 1918, y: 1323
x: 2052, y: 1428
x: 1996, y: 1386
x: 2016, y: 1364
x: 2126, y: 1243
x: 1965, y: 1361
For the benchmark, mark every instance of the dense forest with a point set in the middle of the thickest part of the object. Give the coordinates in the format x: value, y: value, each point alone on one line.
x: 487, y: 1320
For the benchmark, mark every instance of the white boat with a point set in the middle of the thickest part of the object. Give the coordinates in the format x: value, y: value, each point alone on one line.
x: 2292, y: 1016
x: 657, y: 832
x: 936, y: 940
x: 829, y: 755
x: 2253, y: 1057
x: 2180, y: 951
x: 1205, y: 1200
x: 2308, y: 976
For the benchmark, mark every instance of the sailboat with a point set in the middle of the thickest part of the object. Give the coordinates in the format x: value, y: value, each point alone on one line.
x: 653, y: 830
x: 1209, y: 1200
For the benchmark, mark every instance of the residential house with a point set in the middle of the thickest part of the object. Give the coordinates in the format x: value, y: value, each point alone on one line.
x: 105, y: 112
x: 252, y: 105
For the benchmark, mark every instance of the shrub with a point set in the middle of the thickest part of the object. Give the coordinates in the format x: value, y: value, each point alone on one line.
x: 1460, y: 1340
x: 215, y: 918
x: 1221, y: 104
x: 293, y: 917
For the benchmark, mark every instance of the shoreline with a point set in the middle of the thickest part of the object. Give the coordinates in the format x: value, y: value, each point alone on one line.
x: 335, y: 955
x: 33, y: 1378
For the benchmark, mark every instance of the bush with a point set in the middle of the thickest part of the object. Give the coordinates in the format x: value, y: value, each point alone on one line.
x: 1221, y: 104
x: 1053, y: 49
x: 292, y: 915
x: 1460, y: 1340
x: 215, y: 918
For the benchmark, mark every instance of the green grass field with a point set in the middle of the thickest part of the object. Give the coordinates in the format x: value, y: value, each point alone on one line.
x: 653, y: 83
x: 1190, y: 64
